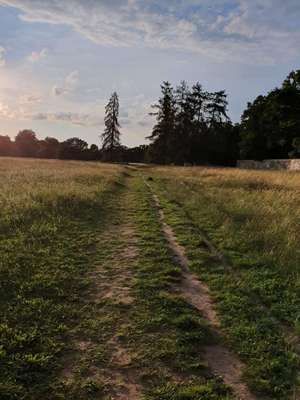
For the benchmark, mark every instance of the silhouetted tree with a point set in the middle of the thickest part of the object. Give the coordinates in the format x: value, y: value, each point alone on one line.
x: 199, y: 100
x: 6, y: 146
x: 111, y: 135
x: 26, y: 143
x: 93, y: 152
x: 217, y: 107
x: 163, y: 131
x: 135, y: 154
x: 73, y: 149
x: 192, y: 126
x: 48, y: 148
x: 270, y: 126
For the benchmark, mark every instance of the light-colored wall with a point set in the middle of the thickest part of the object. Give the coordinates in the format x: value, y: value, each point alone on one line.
x: 292, y: 165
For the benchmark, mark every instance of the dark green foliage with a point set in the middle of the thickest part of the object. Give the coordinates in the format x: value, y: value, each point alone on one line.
x: 164, y: 131
x: 73, y: 149
x: 270, y: 127
x: 26, y: 143
x: 50, y: 148
x: 111, y: 135
x: 6, y: 146
x: 192, y: 127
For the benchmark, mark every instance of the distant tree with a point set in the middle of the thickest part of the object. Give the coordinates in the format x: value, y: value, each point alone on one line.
x: 163, y: 131
x: 94, y: 148
x: 293, y: 80
x: 93, y: 152
x: 26, y: 143
x: 135, y: 154
x: 181, y: 140
x: 192, y: 126
x: 48, y: 148
x: 270, y: 125
x: 217, y: 107
x: 73, y: 149
x: 199, y: 130
x: 111, y: 135
x: 6, y: 146
x: 199, y: 100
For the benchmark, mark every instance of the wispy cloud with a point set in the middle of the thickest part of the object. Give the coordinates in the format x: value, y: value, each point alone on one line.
x: 36, y: 56
x: 29, y: 99
x: 69, y: 83
x: 73, y: 118
x: 220, y: 28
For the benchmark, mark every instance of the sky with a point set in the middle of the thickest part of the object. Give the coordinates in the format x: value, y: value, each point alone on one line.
x: 60, y: 60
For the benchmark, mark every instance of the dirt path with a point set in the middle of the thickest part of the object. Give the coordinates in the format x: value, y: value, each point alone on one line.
x: 219, y: 358
x: 109, y: 295
x: 121, y: 379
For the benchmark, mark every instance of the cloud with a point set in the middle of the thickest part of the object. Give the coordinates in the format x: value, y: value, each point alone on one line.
x: 2, y: 56
x: 6, y: 112
x: 36, y: 56
x: 73, y: 118
x: 29, y: 99
x: 69, y: 84
x: 219, y: 28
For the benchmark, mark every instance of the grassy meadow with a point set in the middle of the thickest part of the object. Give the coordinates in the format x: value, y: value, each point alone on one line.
x: 50, y: 212
x: 252, y: 219
x: 88, y: 301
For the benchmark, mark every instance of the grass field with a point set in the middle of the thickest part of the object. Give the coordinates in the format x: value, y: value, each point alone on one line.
x: 93, y: 297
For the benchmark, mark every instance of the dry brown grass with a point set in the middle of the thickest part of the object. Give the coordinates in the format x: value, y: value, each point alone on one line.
x: 262, y: 207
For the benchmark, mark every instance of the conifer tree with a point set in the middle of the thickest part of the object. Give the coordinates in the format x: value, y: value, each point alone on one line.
x: 217, y: 107
x: 181, y: 143
x: 111, y: 135
x: 165, y: 127
x: 199, y: 102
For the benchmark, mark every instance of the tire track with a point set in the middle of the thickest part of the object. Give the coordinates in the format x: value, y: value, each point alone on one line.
x: 219, y: 358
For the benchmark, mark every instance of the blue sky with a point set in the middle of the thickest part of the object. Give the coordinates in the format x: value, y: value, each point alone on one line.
x: 61, y: 59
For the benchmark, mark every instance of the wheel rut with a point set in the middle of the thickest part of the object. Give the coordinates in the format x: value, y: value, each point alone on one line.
x: 219, y: 358
x: 111, y: 286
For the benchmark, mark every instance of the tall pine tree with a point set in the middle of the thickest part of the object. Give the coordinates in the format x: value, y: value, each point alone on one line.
x: 111, y: 135
x: 163, y: 131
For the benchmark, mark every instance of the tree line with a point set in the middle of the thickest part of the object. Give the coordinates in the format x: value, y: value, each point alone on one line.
x: 192, y: 126
x: 270, y: 126
x: 26, y: 144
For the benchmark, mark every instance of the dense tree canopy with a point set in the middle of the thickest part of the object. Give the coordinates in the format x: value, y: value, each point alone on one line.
x: 26, y: 143
x: 6, y: 146
x: 270, y: 126
x: 192, y: 127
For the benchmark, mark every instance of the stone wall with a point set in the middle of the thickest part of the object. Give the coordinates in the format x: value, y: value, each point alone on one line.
x: 291, y: 165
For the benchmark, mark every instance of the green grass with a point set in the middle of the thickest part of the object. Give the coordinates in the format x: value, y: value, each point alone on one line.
x: 160, y: 332
x: 166, y: 334
x: 252, y: 218
x: 60, y: 244
x: 63, y: 243
x: 49, y: 219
